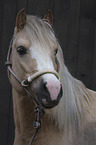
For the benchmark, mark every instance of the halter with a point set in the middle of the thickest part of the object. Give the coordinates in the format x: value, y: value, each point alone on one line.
x: 39, y: 110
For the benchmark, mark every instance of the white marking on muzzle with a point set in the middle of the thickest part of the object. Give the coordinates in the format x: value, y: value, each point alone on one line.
x: 53, y: 85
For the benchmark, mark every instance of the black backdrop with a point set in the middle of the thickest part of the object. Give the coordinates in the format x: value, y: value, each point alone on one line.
x: 75, y: 27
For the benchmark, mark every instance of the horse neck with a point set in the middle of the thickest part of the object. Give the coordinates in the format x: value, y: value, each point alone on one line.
x: 23, y: 112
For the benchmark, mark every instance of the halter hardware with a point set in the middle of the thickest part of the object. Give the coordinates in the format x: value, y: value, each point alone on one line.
x: 8, y: 63
x: 25, y: 83
x: 37, y: 122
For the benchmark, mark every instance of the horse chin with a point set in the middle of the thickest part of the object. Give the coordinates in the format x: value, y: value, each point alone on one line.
x: 49, y: 105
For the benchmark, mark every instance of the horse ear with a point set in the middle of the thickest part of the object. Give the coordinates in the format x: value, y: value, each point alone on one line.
x: 48, y: 17
x: 21, y: 19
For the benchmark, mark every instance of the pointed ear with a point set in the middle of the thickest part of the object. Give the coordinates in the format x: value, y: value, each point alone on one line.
x: 48, y: 17
x: 21, y: 19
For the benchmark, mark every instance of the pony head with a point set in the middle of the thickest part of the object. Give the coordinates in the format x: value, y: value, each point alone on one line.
x: 35, y: 49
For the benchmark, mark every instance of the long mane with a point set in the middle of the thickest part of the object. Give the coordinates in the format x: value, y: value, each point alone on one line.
x: 72, y: 107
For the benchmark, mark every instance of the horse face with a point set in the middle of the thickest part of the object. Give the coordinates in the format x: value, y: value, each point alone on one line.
x: 35, y: 49
x: 47, y: 88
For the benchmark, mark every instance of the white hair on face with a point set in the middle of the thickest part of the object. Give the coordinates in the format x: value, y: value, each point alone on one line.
x: 43, y: 59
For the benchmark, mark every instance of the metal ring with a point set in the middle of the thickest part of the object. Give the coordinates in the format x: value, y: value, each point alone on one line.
x: 25, y: 83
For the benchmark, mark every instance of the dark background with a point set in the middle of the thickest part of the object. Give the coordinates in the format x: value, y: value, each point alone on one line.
x: 75, y: 27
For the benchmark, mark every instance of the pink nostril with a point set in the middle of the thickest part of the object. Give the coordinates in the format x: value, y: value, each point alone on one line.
x: 53, y: 86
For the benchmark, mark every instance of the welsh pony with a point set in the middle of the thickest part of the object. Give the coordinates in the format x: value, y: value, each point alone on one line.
x: 70, y: 108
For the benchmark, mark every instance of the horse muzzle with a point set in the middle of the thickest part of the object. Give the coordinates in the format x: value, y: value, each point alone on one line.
x: 48, y: 92
x: 48, y: 102
x: 46, y: 86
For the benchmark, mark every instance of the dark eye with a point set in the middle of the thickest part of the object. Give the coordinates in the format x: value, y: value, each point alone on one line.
x: 21, y: 50
x: 56, y: 51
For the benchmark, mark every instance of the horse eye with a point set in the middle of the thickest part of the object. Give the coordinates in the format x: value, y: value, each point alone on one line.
x: 56, y: 51
x: 21, y: 50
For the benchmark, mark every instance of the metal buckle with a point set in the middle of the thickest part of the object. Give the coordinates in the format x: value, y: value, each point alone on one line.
x: 8, y: 63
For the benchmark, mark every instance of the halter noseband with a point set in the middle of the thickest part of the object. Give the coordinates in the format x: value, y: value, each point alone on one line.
x: 38, y: 74
x: 25, y: 83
